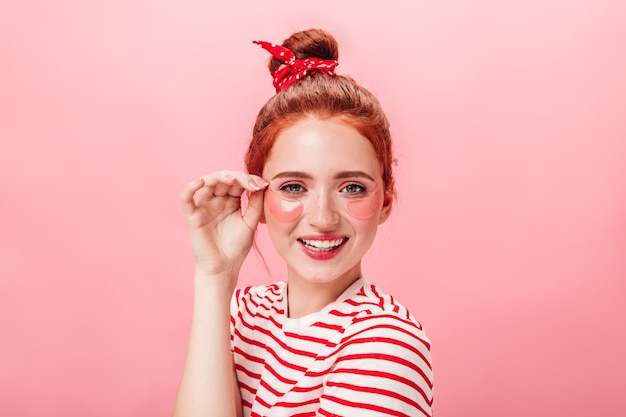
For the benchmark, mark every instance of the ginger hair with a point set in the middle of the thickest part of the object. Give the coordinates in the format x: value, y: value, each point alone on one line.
x: 324, y: 97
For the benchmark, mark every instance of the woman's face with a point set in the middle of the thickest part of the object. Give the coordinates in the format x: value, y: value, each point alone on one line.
x: 325, y: 200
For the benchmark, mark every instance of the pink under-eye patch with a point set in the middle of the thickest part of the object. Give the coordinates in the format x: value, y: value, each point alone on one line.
x: 287, y: 210
x: 365, y: 208
x: 283, y: 209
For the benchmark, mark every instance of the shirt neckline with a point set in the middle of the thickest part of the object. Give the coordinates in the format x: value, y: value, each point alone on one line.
x: 309, y: 319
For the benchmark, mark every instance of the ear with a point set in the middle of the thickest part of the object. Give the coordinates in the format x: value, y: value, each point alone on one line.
x: 386, y: 209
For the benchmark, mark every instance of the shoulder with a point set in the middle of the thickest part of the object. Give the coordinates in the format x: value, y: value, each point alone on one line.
x: 269, y: 291
x: 383, y: 361
x: 378, y: 314
x: 261, y: 297
x: 383, y: 331
x: 384, y: 335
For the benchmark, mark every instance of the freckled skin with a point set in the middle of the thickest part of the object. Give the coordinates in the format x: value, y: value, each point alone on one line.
x: 283, y: 209
x: 288, y: 210
x: 323, y: 154
x: 366, y: 207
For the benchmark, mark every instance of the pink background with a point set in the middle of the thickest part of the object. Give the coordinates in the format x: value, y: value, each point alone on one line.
x: 508, y: 242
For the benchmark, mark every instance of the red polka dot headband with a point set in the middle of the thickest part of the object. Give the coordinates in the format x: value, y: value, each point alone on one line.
x: 292, y: 69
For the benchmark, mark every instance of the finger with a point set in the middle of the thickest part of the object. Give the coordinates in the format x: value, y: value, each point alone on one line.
x: 258, y: 182
x: 255, y: 209
x: 244, y: 182
x: 221, y: 190
x: 186, y: 197
x: 223, y: 183
x: 203, y: 195
x: 248, y: 182
x: 235, y: 190
x: 217, y: 182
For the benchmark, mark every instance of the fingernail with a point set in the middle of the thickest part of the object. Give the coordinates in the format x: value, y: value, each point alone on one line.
x: 258, y: 183
x: 254, y: 185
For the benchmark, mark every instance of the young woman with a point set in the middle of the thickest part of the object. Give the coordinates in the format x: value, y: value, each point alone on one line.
x: 327, y: 342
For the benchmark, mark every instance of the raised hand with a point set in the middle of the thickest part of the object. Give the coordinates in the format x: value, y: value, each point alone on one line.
x: 221, y: 235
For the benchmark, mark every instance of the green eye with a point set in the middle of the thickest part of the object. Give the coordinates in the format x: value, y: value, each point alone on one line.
x: 354, y: 189
x: 293, y: 188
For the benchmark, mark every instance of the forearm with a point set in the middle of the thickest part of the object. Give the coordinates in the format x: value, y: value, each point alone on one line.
x: 208, y: 384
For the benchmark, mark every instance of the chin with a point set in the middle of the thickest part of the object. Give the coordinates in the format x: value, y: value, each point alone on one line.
x: 327, y: 274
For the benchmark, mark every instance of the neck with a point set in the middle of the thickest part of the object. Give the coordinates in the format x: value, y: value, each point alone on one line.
x: 305, y: 297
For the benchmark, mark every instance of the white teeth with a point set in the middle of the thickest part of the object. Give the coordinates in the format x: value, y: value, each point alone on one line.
x: 322, y: 244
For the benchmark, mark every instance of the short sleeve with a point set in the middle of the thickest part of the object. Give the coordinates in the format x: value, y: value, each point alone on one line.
x: 235, y: 303
x: 383, y: 368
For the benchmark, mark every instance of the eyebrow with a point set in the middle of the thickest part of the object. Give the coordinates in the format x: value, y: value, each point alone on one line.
x: 354, y: 174
x: 340, y: 175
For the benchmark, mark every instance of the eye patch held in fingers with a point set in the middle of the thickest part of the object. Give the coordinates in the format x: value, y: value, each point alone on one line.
x: 283, y: 209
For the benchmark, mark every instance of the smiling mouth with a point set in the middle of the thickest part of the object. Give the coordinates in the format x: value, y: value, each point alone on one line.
x: 323, y: 245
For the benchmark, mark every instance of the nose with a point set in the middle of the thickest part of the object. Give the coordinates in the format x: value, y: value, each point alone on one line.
x: 323, y: 212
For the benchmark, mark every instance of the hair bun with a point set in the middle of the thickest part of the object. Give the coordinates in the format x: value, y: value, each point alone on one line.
x: 311, y: 43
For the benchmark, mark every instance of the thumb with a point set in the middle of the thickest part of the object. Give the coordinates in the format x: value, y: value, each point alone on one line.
x: 254, y: 210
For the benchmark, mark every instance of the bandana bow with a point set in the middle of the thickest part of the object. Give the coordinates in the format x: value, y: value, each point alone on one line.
x: 293, y: 69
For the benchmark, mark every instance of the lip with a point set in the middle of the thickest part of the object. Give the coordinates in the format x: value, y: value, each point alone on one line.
x: 326, y: 254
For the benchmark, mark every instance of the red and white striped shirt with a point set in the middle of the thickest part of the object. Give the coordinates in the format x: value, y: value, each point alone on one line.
x: 362, y: 355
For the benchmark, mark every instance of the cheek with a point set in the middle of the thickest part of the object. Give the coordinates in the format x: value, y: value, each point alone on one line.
x: 282, y: 209
x: 367, y: 207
